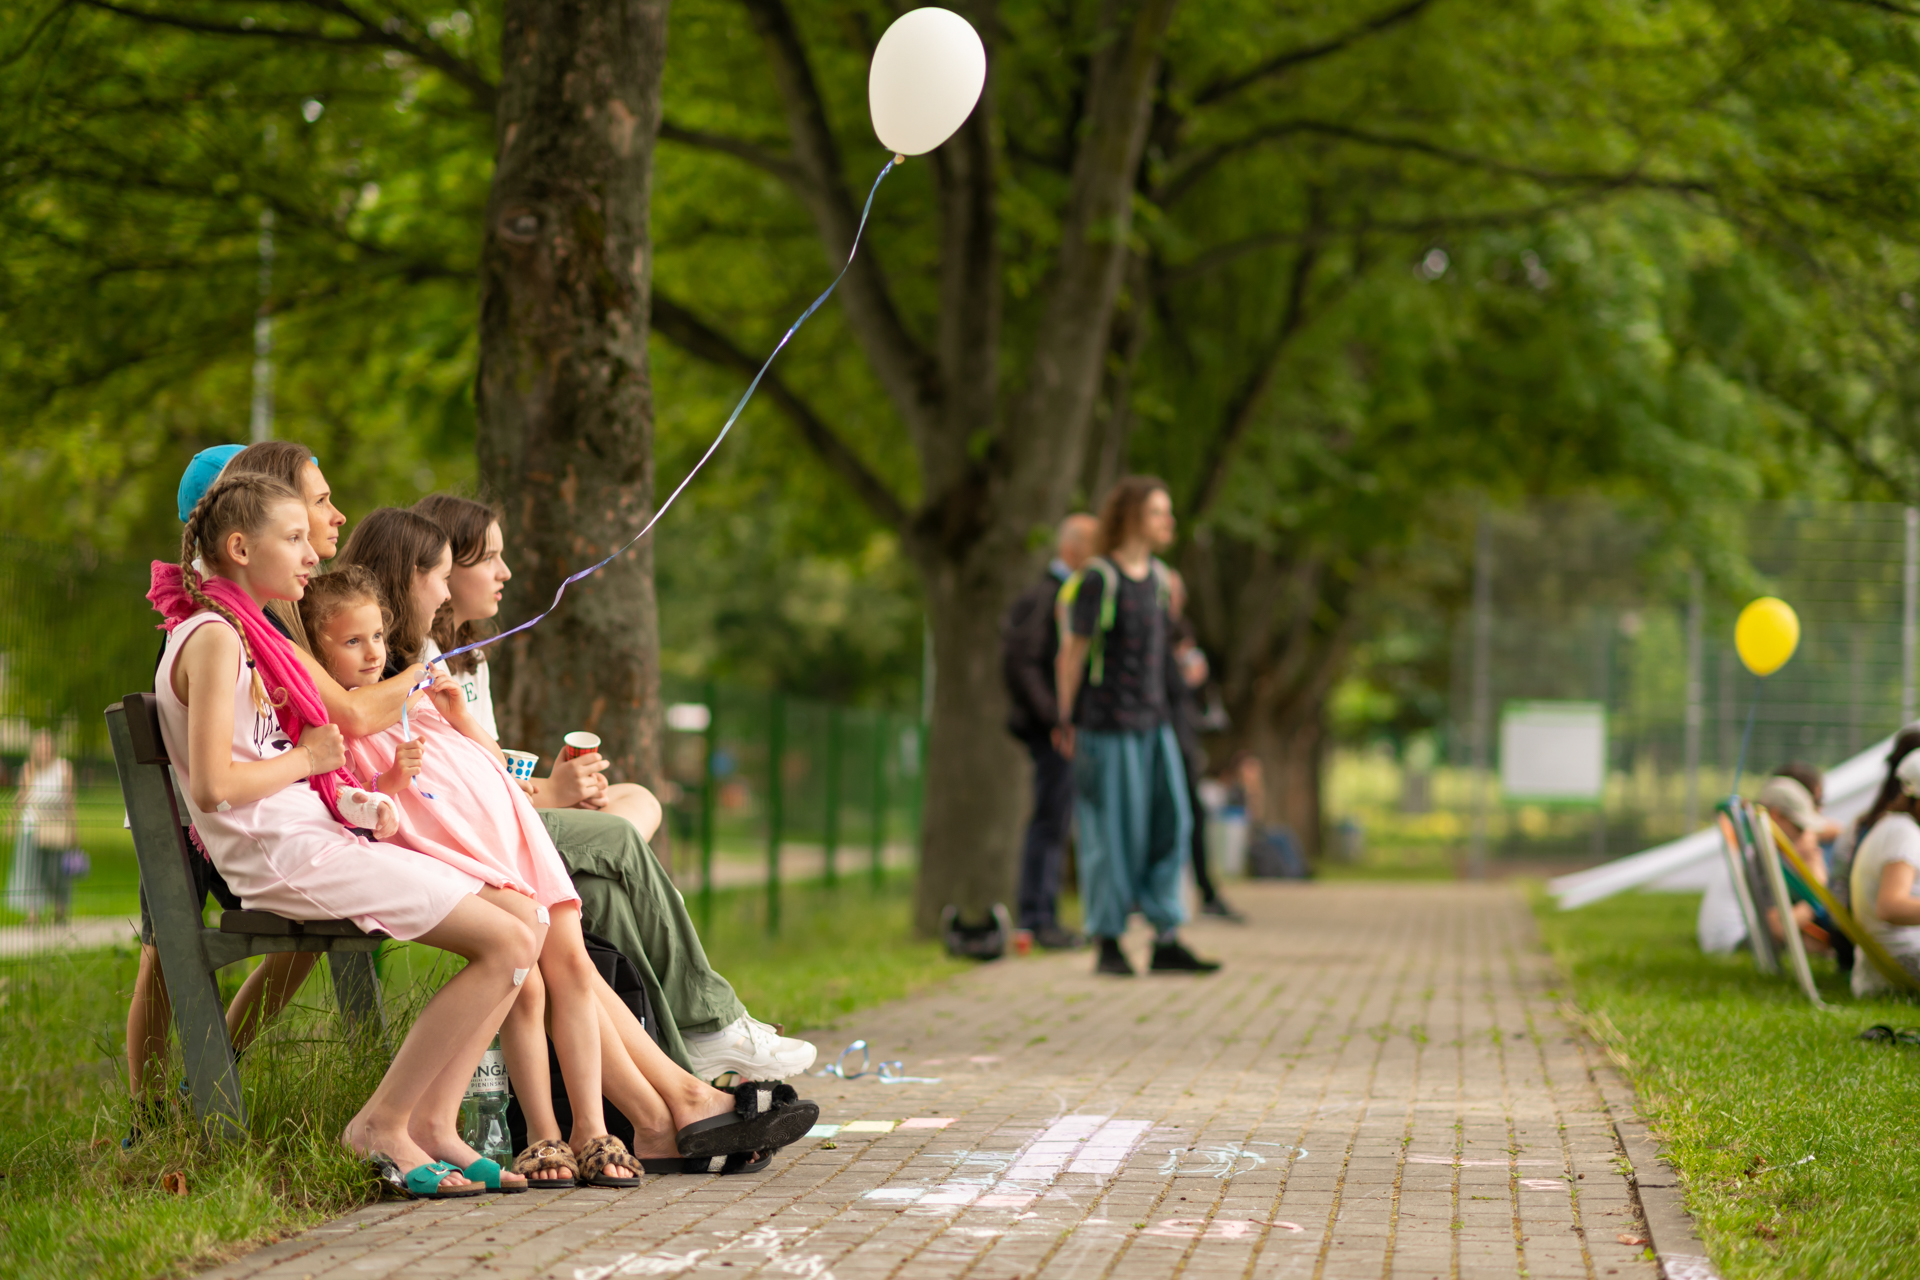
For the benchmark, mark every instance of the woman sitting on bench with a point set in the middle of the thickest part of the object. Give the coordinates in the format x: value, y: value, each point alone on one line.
x: 1886, y: 863
x: 458, y: 804
x: 258, y: 763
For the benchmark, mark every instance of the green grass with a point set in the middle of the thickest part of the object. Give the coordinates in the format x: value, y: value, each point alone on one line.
x: 1799, y: 1146
x: 72, y: 1203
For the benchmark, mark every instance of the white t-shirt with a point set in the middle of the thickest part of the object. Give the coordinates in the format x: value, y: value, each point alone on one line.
x: 475, y: 685
x: 1895, y: 838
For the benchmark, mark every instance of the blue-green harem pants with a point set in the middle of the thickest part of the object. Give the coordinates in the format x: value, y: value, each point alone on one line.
x: 1135, y: 821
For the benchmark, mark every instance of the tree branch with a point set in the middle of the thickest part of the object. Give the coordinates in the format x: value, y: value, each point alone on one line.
x: 392, y: 34
x: 781, y: 167
x: 1246, y: 399
x: 1297, y: 57
x: 1184, y: 178
x: 694, y: 336
x: 903, y: 365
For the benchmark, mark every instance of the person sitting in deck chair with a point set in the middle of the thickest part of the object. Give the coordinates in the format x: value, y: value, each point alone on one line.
x: 1793, y: 811
x: 1886, y: 863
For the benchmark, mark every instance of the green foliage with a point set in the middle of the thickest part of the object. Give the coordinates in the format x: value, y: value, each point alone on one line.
x: 1793, y: 1139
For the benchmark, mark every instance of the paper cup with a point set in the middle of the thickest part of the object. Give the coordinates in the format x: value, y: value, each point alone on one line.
x: 578, y: 743
x: 521, y: 763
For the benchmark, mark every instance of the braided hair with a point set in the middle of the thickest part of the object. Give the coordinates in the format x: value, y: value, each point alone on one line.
x: 234, y: 503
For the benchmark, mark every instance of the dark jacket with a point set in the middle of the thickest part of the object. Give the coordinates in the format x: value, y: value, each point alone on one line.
x: 1029, y: 642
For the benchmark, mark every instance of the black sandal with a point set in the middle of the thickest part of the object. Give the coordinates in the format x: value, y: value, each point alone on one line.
x: 766, y: 1116
x: 722, y: 1166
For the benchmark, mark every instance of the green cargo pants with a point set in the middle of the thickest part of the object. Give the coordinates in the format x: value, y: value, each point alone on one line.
x: 627, y: 898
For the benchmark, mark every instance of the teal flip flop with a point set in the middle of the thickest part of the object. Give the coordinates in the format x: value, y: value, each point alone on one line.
x: 487, y: 1172
x: 423, y: 1183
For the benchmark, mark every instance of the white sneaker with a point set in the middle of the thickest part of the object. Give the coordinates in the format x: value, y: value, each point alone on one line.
x: 752, y: 1049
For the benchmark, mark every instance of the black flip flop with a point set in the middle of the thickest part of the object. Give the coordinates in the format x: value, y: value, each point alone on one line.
x: 738, y: 1162
x: 1879, y: 1033
x: 766, y: 1116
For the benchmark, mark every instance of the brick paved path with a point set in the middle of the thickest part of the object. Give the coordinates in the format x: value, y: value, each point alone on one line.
x: 1379, y: 1084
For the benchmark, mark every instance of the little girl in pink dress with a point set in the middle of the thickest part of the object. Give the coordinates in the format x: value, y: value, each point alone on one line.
x: 459, y: 805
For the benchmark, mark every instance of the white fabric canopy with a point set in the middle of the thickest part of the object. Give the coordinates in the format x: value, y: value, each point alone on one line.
x: 1693, y: 862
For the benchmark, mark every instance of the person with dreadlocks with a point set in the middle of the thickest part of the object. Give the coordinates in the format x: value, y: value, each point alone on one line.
x: 260, y: 769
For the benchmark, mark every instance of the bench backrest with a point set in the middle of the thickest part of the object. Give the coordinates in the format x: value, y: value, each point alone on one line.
x: 154, y: 813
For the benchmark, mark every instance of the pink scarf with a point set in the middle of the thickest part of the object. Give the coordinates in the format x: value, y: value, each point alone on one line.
x: 287, y: 682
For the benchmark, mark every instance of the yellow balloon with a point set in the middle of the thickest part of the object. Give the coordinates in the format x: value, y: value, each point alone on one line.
x: 1766, y: 635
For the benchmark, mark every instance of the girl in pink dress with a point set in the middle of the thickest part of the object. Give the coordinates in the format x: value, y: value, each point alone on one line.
x: 464, y: 813
x: 460, y: 805
x: 258, y: 764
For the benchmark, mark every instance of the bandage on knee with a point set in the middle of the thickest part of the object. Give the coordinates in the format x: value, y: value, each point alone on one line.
x: 520, y: 976
x: 540, y: 914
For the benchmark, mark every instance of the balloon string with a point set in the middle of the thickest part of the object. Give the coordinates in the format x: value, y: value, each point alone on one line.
x: 1759, y: 687
x: 711, y: 449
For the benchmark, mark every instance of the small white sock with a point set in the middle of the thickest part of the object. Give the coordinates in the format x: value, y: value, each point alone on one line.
x: 520, y: 976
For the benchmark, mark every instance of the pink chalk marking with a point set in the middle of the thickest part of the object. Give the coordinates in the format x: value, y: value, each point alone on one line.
x: 927, y: 1122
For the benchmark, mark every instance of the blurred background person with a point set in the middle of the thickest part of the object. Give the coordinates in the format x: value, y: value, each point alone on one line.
x: 45, y: 830
x: 1029, y: 645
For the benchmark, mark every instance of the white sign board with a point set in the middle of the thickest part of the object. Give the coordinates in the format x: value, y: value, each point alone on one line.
x: 1553, y: 750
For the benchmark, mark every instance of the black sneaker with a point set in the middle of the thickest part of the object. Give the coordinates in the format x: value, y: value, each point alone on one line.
x: 149, y: 1115
x: 1173, y: 957
x: 1052, y: 937
x: 1112, y: 959
x: 1218, y: 907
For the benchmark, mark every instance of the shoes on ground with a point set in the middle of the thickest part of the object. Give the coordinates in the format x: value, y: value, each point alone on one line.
x: 752, y: 1049
x: 1052, y: 937
x: 1112, y: 959
x: 1218, y: 907
x: 1173, y: 957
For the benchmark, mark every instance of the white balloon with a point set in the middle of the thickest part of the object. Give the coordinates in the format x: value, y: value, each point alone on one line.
x: 927, y: 75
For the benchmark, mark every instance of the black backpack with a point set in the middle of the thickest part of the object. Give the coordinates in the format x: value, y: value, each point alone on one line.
x: 624, y: 978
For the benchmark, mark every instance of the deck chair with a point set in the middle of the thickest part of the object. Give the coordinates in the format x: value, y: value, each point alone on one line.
x: 1869, y: 946
x: 1748, y: 890
x: 191, y: 953
x: 1762, y: 837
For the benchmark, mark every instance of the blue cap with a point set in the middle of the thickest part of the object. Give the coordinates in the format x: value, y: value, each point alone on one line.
x: 201, y: 473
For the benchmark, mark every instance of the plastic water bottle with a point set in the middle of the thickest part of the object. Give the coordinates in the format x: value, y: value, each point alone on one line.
x: 483, y: 1112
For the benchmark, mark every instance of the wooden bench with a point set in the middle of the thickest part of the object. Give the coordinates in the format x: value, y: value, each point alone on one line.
x: 191, y: 953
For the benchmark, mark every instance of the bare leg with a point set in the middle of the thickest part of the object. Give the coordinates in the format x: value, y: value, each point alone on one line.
x: 452, y: 1030
x: 149, y: 1014
x: 688, y: 1098
x: 267, y: 990
x: 637, y: 805
x: 575, y: 1028
x: 654, y: 1134
x: 435, y: 1123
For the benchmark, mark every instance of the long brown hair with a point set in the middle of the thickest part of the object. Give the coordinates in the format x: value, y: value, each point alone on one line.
x: 1905, y: 743
x: 232, y: 504
x: 393, y: 545
x: 466, y: 523
x: 285, y: 461
x: 1123, y: 509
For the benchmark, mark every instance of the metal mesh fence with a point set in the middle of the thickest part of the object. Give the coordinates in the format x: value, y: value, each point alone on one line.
x: 76, y: 635
x: 1586, y: 604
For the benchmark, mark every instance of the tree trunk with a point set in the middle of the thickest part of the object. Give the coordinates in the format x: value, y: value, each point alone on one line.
x: 1279, y: 631
x: 564, y: 397
x: 975, y: 790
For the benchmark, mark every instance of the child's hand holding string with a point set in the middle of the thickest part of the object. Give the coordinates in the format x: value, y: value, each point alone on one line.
x: 405, y: 767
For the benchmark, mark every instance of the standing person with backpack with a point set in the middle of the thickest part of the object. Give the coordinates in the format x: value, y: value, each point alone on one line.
x: 1130, y: 785
x: 1029, y: 648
